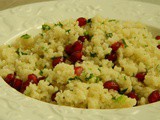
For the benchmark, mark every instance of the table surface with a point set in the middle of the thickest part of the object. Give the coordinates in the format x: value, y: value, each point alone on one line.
x: 5, y: 4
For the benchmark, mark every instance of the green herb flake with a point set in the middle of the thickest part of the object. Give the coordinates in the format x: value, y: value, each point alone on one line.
x: 86, y: 33
x: 59, y: 24
x: 68, y: 31
x: 9, y: 46
x: 123, y: 91
x: 24, y: 53
x: 89, y: 20
x: 90, y: 76
x: 25, y: 36
x: 18, y: 51
x: 93, y: 54
x: 45, y: 66
x: 120, y: 99
x: 109, y: 35
x: 41, y: 72
x: 112, y: 20
x: 75, y: 78
x: 46, y: 27
x: 99, y: 69
x: 125, y: 78
x: 124, y: 42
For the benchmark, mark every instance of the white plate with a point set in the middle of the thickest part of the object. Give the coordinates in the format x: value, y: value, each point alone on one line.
x: 15, y: 106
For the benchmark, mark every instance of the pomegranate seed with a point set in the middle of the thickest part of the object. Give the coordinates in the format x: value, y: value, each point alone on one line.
x: 83, y: 38
x: 140, y: 76
x: 10, y: 79
x: 78, y: 70
x: 158, y: 37
x: 115, y: 46
x: 154, y: 96
x: 33, y: 78
x: 112, y: 57
x: 111, y: 85
x: 76, y: 56
x: 57, y: 61
x: 82, y: 21
x: 17, y: 84
x: 77, y: 46
x: 158, y: 46
x: 68, y: 49
x: 54, y: 96
x: 24, y: 86
x: 133, y: 95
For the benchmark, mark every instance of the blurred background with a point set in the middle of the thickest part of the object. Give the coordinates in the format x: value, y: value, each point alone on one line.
x: 4, y: 4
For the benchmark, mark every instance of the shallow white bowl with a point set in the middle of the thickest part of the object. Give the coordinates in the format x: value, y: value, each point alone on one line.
x: 28, y: 18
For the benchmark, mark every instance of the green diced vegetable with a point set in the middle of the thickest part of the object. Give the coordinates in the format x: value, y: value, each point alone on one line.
x: 46, y: 27
x: 109, y: 35
x: 25, y: 36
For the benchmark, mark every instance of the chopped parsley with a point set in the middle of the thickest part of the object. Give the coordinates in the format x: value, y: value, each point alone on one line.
x: 86, y: 33
x: 41, y: 72
x: 59, y: 24
x: 46, y: 27
x: 109, y: 35
x: 20, y: 52
x: 124, y: 42
x: 45, y: 66
x: 89, y: 20
x: 125, y: 78
x: 25, y: 36
x: 93, y: 54
x: 123, y: 91
x: 112, y: 20
x: 90, y: 76
x: 75, y: 78
x: 67, y: 31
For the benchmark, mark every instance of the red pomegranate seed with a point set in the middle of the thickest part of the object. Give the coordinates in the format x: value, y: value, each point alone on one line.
x: 68, y: 49
x: 140, y: 76
x: 57, y: 61
x: 33, y: 79
x: 112, y: 57
x: 76, y: 56
x: 82, y: 21
x: 83, y: 38
x: 10, y: 79
x: 17, y: 84
x: 158, y: 46
x: 154, y: 96
x: 133, y: 95
x: 115, y: 46
x: 78, y: 70
x: 111, y: 85
x: 158, y: 37
x: 77, y: 46
x: 24, y: 86
x: 54, y: 96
